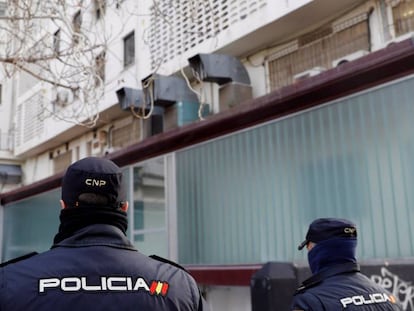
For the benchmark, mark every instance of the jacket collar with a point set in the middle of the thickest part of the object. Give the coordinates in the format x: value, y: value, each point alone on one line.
x: 98, y: 234
x: 328, y: 272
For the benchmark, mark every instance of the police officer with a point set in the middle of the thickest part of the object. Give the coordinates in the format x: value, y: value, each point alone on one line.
x: 92, y: 265
x: 336, y: 282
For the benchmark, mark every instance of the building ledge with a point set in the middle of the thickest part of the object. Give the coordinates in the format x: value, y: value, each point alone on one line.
x: 391, y: 63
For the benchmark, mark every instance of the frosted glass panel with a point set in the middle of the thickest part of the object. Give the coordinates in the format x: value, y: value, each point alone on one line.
x: 154, y: 243
x: 148, y: 209
x: 250, y: 196
x: 30, y: 225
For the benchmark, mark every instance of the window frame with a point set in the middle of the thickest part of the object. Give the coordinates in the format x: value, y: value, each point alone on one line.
x: 57, y: 40
x: 77, y: 26
x: 100, y: 8
x: 129, y: 49
x: 100, y: 61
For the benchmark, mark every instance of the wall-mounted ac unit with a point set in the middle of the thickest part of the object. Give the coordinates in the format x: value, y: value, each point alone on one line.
x: 62, y: 97
x: 183, y: 113
x: 308, y: 73
x: 233, y: 93
x: 154, y: 124
x: 349, y: 58
x: 229, y: 73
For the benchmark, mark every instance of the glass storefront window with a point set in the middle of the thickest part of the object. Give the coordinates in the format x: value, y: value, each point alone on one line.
x: 30, y: 225
x: 148, y: 220
x: 248, y: 197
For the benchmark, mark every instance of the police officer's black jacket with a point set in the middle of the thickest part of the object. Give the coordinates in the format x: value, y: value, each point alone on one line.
x: 97, y: 268
x: 342, y: 287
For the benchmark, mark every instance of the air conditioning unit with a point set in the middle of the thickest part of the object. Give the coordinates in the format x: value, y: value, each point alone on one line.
x: 308, y: 73
x: 349, y: 57
x: 233, y: 93
x: 62, y: 97
x: 182, y: 113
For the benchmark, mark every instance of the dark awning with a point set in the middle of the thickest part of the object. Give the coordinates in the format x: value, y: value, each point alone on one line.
x: 10, y: 174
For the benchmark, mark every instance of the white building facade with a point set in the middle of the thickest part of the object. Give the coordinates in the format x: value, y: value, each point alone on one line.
x: 169, y: 65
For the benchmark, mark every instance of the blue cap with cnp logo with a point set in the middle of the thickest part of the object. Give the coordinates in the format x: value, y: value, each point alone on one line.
x: 93, y: 175
x: 323, y: 229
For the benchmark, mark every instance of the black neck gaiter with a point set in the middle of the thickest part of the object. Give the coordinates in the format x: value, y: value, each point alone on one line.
x: 332, y: 252
x: 73, y: 219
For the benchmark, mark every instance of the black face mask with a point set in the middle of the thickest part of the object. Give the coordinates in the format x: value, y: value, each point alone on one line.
x: 331, y: 252
x: 73, y: 219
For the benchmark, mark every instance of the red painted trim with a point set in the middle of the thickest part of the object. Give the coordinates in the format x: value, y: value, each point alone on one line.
x: 378, y: 67
x: 229, y: 275
x: 40, y: 186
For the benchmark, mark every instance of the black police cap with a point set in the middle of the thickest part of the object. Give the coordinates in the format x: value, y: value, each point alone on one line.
x: 93, y: 175
x: 323, y: 229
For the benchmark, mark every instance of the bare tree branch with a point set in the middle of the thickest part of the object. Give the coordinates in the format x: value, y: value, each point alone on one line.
x: 60, y: 43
